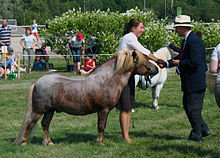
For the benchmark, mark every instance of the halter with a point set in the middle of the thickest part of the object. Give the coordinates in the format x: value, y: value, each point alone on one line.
x: 147, y: 79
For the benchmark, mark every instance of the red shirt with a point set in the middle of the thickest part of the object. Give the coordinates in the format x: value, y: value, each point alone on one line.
x: 90, y: 63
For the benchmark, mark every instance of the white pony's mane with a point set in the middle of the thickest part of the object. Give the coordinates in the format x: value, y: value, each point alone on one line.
x: 165, y: 53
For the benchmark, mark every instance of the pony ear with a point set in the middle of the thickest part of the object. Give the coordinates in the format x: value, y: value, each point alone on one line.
x: 134, y: 54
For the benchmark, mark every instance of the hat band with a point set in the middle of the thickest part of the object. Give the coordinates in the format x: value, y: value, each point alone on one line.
x: 182, y: 23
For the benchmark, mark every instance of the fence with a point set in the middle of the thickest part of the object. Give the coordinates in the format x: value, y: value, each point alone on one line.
x: 60, y: 63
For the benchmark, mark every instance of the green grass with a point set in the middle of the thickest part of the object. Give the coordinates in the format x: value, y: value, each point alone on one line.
x: 161, y: 133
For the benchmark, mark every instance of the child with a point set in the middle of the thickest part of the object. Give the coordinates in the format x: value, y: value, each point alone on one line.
x: 88, y: 66
x: 9, y: 63
x: 34, y: 29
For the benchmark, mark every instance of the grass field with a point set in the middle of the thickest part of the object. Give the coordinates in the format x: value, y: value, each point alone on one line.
x: 161, y: 133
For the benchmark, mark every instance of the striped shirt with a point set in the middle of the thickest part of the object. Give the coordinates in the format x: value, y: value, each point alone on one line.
x: 5, y: 34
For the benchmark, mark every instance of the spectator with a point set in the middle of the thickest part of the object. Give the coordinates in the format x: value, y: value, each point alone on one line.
x: 88, y: 66
x: 77, y: 47
x: 5, y: 34
x: 44, y: 49
x: 132, y: 31
x: 28, y: 42
x: 214, y: 68
x: 191, y: 64
x: 34, y: 29
x: 10, y: 65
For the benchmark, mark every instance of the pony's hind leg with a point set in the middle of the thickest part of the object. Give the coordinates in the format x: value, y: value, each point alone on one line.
x: 102, y: 118
x: 45, y: 125
x: 30, y: 125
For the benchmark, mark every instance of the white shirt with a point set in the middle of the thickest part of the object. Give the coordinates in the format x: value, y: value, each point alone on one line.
x: 28, y: 40
x: 130, y: 42
x: 216, y: 56
x: 76, y: 43
x: 34, y: 28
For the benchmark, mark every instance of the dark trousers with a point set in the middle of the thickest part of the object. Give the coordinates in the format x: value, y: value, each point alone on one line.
x: 192, y: 103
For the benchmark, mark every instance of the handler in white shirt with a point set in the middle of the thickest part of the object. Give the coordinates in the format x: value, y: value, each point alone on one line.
x: 214, y: 68
x: 132, y: 31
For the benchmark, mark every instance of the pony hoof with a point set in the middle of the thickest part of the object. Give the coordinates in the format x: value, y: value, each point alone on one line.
x: 50, y: 143
x: 156, y: 108
x: 101, y: 143
x: 24, y: 143
x: 44, y: 143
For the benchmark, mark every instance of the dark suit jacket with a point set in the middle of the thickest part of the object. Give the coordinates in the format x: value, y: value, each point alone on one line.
x: 193, y: 65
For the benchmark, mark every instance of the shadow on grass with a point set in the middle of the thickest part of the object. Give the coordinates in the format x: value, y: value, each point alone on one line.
x: 145, y: 134
x: 187, y: 149
x: 72, y: 138
x: 91, y: 138
x: 149, y: 105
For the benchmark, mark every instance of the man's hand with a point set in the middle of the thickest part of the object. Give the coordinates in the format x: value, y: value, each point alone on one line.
x: 175, y: 62
x: 161, y: 63
x: 166, y: 43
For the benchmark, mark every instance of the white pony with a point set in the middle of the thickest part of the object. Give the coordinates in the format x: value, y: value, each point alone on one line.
x: 157, y: 81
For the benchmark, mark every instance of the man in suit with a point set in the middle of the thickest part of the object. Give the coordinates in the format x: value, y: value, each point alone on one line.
x: 191, y: 65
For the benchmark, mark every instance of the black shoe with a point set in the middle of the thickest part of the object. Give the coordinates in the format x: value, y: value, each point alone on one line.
x: 195, y: 137
x: 195, y: 140
x: 206, y: 133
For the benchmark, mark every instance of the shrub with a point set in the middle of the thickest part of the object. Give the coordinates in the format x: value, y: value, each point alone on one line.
x: 108, y: 27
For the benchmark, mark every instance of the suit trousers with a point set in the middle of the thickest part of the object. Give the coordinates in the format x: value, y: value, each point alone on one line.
x: 193, y: 103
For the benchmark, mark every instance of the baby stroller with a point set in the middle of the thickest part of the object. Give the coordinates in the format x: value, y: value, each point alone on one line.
x: 93, y: 49
x: 41, y: 60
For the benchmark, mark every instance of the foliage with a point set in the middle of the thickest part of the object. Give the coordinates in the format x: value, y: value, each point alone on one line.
x: 41, y: 10
x: 108, y: 26
x: 161, y: 133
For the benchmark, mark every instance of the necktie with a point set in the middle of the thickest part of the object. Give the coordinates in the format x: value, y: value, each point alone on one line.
x: 180, y: 55
x: 181, y: 50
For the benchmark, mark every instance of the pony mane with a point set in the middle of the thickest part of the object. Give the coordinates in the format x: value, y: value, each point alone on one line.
x: 124, y: 60
x: 128, y: 58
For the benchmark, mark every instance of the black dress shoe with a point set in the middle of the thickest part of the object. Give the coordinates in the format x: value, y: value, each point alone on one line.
x: 206, y: 133
x: 195, y: 137
x: 197, y: 140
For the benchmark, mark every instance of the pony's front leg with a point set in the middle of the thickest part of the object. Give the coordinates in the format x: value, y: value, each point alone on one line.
x: 155, y: 95
x: 102, y: 119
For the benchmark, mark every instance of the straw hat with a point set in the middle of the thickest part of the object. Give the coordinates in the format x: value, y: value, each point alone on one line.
x: 183, y: 20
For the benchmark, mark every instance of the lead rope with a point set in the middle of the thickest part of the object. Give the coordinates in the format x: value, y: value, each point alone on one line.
x: 132, y: 121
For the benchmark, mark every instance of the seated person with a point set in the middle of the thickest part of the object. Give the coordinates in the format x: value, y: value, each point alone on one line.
x: 44, y: 49
x: 88, y: 65
x: 10, y: 59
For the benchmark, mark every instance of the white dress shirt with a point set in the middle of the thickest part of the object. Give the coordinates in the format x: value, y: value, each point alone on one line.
x: 130, y: 42
x: 216, y: 56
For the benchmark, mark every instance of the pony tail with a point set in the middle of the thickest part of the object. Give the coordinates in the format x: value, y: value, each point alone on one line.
x: 27, y: 114
x: 127, y: 29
